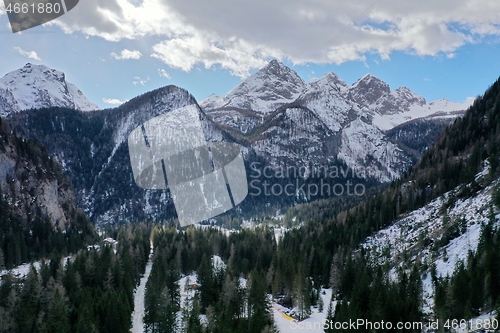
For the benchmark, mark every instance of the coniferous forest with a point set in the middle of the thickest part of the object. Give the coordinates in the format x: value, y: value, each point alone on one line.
x: 91, y: 291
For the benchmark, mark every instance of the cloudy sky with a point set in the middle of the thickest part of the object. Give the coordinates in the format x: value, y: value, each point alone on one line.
x: 114, y: 50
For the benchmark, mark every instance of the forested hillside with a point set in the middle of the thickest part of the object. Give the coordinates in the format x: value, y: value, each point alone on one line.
x: 38, y: 211
x: 87, y: 293
x: 464, y: 150
x: 454, y: 160
x: 325, y: 252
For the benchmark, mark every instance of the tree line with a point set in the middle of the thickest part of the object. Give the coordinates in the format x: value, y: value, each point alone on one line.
x: 89, y: 292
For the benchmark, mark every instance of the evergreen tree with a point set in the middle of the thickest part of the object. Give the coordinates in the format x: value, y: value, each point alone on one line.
x: 167, y: 321
x: 193, y: 324
x: 302, y: 293
x: 57, y: 320
x: 259, y: 313
x: 207, y: 283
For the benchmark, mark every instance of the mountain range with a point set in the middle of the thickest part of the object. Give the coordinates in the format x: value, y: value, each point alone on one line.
x: 289, y: 121
x: 278, y: 119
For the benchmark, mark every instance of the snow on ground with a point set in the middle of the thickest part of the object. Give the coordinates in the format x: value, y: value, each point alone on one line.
x: 23, y: 270
x: 457, y: 250
x: 405, y: 239
x: 218, y: 263
x: 279, y: 232
x: 225, y: 231
x: 405, y: 234
x: 436, y: 109
x: 481, y: 323
x: 138, y: 313
x: 313, y: 324
x: 188, y: 285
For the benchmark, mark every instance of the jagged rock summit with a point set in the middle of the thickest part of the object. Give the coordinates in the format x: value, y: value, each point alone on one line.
x: 266, y: 90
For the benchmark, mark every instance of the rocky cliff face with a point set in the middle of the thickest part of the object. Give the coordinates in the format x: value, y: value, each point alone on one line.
x: 32, y: 183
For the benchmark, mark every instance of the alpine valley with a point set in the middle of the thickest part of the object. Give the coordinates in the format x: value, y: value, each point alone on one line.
x: 418, y: 252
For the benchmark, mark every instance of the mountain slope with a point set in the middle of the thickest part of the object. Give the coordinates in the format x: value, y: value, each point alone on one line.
x: 423, y: 248
x: 354, y: 116
x: 433, y: 236
x: 37, y: 86
x: 38, y: 211
x: 93, y: 149
x: 295, y: 125
x: 264, y: 91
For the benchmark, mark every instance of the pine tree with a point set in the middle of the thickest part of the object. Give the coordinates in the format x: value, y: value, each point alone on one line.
x: 329, y: 318
x: 335, y: 270
x: 302, y: 293
x: 259, y: 313
x: 86, y: 320
x: 57, y: 317
x: 193, y: 320
x: 167, y: 320
x: 2, y: 258
x: 320, y: 304
x: 207, y: 283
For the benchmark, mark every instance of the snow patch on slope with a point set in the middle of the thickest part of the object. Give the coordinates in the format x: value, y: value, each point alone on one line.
x: 363, y: 144
x: 406, y: 239
x: 437, y: 109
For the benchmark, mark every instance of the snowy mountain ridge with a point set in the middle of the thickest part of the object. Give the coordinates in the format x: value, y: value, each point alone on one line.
x: 290, y: 121
x: 38, y: 86
x: 266, y: 90
x: 93, y: 149
x: 276, y: 85
x: 277, y: 118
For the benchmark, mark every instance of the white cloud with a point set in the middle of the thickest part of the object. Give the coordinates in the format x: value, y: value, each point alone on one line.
x: 164, y: 73
x: 112, y: 101
x: 140, y: 81
x: 238, y: 56
x: 127, y: 54
x: 240, y: 36
x: 30, y: 54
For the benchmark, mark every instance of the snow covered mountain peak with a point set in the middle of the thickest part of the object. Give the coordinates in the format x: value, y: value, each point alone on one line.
x: 266, y: 90
x: 38, y: 86
x: 407, y: 98
x: 330, y: 80
x: 277, y: 68
x: 213, y: 101
x: 326, y: 118
x: 369, y: 89
x: 370, y: 80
